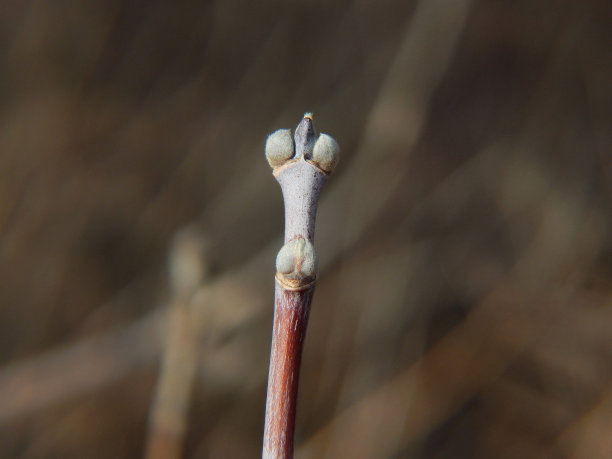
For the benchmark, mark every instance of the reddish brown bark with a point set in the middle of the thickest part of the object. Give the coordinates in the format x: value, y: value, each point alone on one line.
x: 291, y: 312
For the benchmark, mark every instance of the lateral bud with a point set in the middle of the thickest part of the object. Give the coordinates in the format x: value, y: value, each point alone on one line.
x: 279, y: 147
x: 326, y: 153
x: 296, y: 264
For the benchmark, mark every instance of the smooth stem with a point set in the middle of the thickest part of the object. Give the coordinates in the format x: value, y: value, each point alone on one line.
x: 290, y: 321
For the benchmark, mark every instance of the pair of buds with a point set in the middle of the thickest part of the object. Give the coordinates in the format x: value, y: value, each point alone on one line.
x: 322, y: 152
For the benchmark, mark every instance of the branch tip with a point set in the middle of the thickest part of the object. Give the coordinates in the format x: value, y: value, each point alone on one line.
x: 322, y: 152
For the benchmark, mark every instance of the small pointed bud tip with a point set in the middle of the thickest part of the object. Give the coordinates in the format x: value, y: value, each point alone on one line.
x: 304, y: 137
x: 279, y: 147
x: 326, y: 153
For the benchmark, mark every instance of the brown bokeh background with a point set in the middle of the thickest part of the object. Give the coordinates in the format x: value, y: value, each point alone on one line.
x: 464, y: 302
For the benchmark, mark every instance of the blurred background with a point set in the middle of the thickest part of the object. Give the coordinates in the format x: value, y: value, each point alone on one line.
x: 464, y: 301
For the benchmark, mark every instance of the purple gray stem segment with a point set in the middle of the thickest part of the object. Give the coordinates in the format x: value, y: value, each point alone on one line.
x: 301, y: 164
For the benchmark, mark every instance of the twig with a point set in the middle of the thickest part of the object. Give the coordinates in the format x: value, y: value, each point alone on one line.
x: 301, y: 170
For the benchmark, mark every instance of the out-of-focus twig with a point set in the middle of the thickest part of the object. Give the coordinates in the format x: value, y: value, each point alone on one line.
x: 170, y: 407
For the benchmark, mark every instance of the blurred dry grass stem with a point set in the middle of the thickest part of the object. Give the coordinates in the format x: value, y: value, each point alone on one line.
x: 169, y: 412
